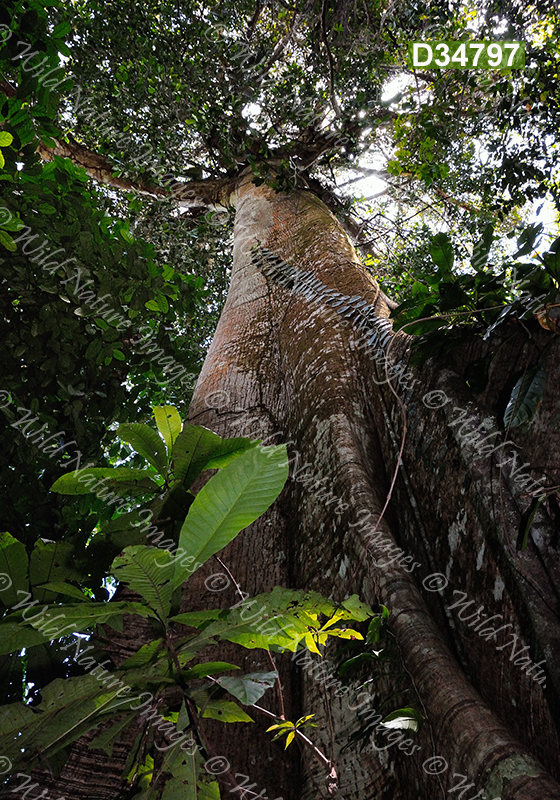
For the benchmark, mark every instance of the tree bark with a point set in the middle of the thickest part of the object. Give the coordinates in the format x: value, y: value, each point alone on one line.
x: 287, y: 360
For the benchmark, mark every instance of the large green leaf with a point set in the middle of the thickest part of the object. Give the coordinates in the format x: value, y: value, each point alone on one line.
x: 197, y: 448
x: 192, y: 449
x: 147, y: 442
x: 122, y: 480
x: 228, y: 450
x: 441, y: 251
x: 525, y: 397
x: 70, y: 707
x: 189, y: 779
x: 14, y: 637
x: 147, y: 653
x: 248, y: 688
x: 13, y: 569
x: 208, y: 668
x: 148, y: 571
x: 59, y: 587
x: 168, y: 423
x: 51, y: 562
x: 283, y: 618
x: 15, y: 633
x: 230, y: 501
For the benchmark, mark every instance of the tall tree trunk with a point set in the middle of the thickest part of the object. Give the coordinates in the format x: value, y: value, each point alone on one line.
x: 288, y: 363
x: 288, y: 360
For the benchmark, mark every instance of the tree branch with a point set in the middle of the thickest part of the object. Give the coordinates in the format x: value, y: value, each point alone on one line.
x: 186, y: 194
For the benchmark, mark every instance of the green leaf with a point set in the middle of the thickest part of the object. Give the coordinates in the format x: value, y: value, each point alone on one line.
x: 51, y: 562
x: 526, y: 397
x: 14, y: 637
x: 13, y: 569
x: 14, y: 718
x: 147, y: 571
x: 248, y: 688
x: 226, y: 711
x: 169, y: 424
x: 146, y: 442
x: 66, y: 619
x: 356, y: 661
x: 144, y: 655
x: 228, y: 450
x: 70, y: 707
x: 189, y: 779
x: 59, y: 587
x: 527, y: 523
x: 197, y: 448
x: 230, y: 501
x: 123, y: 480
x: 5, y: 138
x: 209, y: 668
x: 452, y: 296
x: 127, y: 236
x: 110, y: 736
x: 441, y: 251
x: 482, y: 247
x: 61, y: 30
x: 406, y: 719
x: 5, y: 238
x: 358, y: 611
x: 191, y: 451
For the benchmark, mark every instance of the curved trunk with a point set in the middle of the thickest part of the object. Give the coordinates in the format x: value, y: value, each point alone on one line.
x: 289, y: 361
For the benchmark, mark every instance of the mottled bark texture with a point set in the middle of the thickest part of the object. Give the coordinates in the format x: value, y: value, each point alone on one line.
x: 288, y: 359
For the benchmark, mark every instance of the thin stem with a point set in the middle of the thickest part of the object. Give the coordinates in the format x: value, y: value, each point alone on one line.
x: 237, y: 586
x: 279, y: 686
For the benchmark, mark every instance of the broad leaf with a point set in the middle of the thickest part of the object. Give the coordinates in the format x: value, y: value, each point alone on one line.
x: 189, y: 780
x: 58, y: 621
x: 226, y: 711
x: 525, y: 397
x: 109, y: 737
x: 441, y: 251
x: 52, y: 562
x: 59, y: 587
x: 209, y: 668
x: 248, y: 688
x: 15, y: 636
x: 13, y: 569
x: 168, y: 423
x: 192, y: 449
x: 123, y: 480
x: 146, y: 442
x: 144, y: 655
x: 147, y: 571
x: 230, y: 501
x: 228, y: 450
